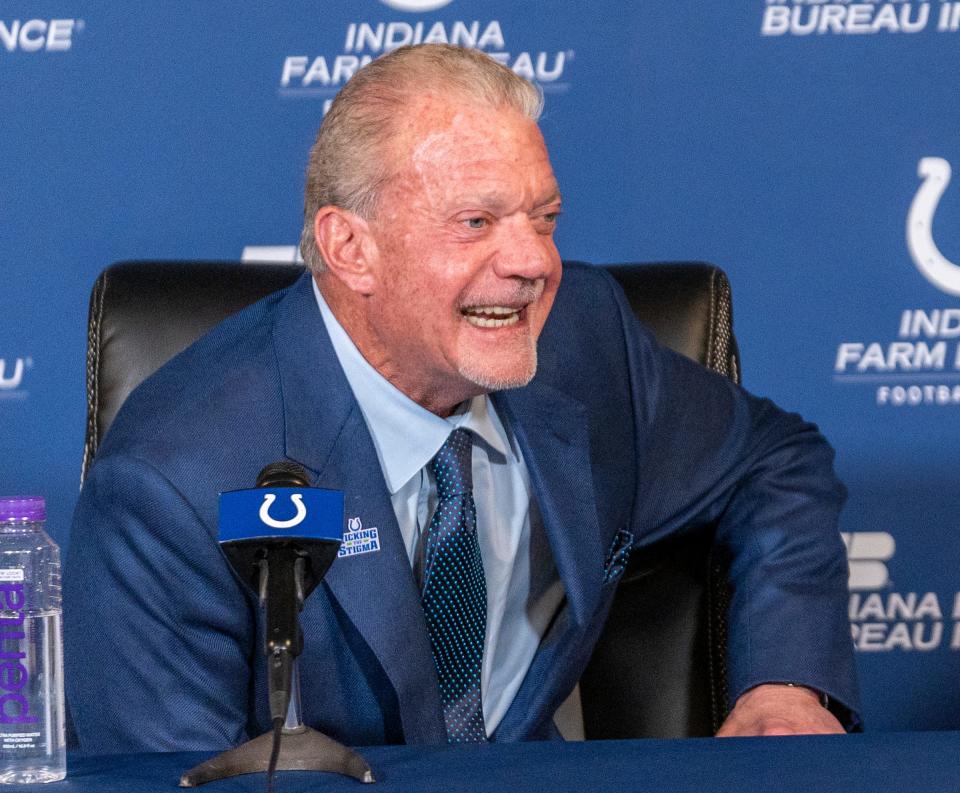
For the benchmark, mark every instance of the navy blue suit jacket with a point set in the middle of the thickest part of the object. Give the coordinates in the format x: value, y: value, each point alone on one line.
x: 618, y: 433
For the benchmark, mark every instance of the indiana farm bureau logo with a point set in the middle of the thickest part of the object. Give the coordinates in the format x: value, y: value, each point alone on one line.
x: 308, y: 75
x: 816, y: 18
x: 884, y: 620
x: 921, y: 367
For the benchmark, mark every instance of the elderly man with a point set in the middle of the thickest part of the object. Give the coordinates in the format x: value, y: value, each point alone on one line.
x: 501, y: 424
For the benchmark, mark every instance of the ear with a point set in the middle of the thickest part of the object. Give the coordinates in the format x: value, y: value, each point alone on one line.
x: 347, y: 247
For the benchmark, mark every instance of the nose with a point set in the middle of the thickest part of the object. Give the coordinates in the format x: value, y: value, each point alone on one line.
x: 524, y: 252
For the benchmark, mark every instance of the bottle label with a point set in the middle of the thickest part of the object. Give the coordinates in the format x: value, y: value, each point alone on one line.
x: 11, y: 574
x: 14, y: 675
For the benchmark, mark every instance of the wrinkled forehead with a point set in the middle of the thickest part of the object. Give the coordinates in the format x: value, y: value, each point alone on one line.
x: 443, y: 128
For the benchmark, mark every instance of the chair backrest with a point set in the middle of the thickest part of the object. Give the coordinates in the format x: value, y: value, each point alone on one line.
x: 658, y: 670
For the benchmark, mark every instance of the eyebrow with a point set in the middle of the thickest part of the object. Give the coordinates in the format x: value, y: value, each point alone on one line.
x: 496, y: 203
x: 553, y: 198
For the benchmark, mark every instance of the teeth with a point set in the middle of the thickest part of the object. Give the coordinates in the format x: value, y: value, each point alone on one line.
x: 502, y: 311
x: 481, y: 322
x: 491, y: 316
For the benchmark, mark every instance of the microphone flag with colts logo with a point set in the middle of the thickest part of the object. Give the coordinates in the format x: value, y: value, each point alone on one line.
x: 281, y: 512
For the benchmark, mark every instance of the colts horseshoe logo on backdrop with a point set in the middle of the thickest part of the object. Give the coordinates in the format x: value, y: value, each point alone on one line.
x: 936, y: 268
x: 296, y: 520
x: 416, y: 5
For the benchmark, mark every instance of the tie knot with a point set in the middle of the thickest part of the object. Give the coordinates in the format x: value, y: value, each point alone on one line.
x: 452, y: 465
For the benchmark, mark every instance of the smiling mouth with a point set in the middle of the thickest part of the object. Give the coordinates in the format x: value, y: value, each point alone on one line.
x: 501, y: 315
x: 492, y: 316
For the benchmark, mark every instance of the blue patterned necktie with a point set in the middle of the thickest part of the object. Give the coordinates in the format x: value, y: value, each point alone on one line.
x: 455, y: 591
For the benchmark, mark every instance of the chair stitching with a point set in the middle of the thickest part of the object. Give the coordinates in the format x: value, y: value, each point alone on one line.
x: 93, y: 374
x: 725, y: 326
x: 711, y: 327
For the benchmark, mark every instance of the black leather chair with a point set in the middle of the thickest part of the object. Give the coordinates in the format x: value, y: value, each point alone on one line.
x: 658, y: 670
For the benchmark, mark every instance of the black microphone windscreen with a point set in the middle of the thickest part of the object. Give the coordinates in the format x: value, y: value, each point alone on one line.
x: 285, y: 474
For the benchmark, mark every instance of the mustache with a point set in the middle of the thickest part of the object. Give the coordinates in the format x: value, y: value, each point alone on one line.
x: 525, y: 291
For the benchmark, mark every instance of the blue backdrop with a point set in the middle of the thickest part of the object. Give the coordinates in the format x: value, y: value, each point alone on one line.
x: 786, y: 141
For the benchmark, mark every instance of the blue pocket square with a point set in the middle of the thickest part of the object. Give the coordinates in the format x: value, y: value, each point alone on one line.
x: 617, y: 556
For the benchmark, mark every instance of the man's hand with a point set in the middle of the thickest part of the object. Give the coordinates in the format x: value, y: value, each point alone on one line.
x: 778, y: 709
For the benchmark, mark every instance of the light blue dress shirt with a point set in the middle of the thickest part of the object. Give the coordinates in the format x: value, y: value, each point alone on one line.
x: 523, y: 587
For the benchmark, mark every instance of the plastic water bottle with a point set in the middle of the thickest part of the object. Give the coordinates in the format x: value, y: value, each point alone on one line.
x: 32, y: 735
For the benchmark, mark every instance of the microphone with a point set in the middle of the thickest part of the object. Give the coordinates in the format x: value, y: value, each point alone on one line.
x: 281, y: 537
x: 282, y: 557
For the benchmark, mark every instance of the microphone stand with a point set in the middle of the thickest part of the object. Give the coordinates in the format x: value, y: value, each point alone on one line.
x: 301, y: 748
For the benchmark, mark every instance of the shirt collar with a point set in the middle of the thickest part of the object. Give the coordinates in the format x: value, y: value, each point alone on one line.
x: 405, y: 434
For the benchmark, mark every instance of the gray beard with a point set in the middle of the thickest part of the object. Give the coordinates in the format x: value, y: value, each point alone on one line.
x: 478, y: 376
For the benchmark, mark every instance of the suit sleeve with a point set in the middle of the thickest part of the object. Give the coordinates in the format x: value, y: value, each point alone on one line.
x: 710, y: 452
x: 157, y: 630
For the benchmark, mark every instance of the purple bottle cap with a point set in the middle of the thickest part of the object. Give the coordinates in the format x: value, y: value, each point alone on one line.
x: 29, y: 509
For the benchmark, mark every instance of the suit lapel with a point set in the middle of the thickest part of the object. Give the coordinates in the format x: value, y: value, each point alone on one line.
x: 377, y: 590
x: 325, y: 432
x: 553, y: 433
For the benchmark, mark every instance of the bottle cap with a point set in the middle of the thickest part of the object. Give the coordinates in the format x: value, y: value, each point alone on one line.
x: 31, y: 509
